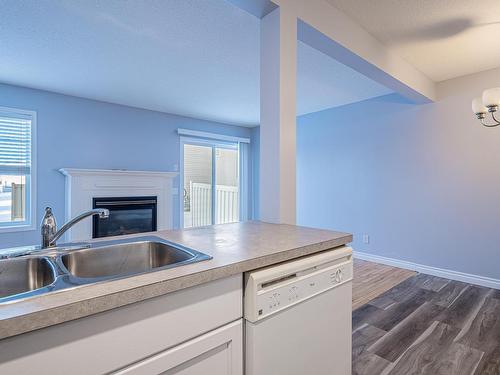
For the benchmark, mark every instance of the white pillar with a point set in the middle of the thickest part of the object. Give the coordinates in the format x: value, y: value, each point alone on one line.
x: 278, y: 77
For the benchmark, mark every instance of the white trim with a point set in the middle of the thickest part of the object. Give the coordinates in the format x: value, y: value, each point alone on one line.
x: 17, y: 111
x: 219, y: 137
x: 12, y: 228
x: 429, y: 270
x: 73, y: 172
x: 181, y: 184
x: 32, y: 223
x: 244, y: 181
x: 213, y: 183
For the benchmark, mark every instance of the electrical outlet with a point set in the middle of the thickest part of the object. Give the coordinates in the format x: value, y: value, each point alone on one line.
x: 366, y: 238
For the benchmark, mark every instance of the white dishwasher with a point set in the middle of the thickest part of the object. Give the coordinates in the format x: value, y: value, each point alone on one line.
x: 298, y: 316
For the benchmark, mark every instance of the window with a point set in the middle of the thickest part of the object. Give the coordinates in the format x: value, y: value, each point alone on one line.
x: 17, y: 171
x: 213, y: 180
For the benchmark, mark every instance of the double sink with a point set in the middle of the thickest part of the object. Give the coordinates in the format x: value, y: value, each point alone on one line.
x: 47, y: 270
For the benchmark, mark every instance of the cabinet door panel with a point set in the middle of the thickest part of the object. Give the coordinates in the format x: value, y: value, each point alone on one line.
x: 219, y: 352
x: 102, y: 343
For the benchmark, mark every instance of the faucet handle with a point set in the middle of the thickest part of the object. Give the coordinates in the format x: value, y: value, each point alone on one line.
x: 48, y: 227
x: 48, y: 217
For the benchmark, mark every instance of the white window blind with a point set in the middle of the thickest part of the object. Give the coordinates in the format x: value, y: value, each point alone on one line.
x: 15, y: 144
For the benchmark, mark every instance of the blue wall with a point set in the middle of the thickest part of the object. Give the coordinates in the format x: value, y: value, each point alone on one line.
x: 421, y: 180
x: 80, y: 133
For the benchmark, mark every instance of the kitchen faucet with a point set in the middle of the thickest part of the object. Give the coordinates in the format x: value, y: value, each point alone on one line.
x: 49, y: 231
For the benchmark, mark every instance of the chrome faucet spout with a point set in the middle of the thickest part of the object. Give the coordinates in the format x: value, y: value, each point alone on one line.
x: 49, y: 231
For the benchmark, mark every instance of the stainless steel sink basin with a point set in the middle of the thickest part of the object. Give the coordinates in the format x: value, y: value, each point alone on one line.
x: 30, y: 271
x: 21, y: 275
x: 118, y: 259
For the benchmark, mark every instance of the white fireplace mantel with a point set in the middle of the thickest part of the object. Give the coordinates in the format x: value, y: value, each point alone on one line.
x: 82, y: 185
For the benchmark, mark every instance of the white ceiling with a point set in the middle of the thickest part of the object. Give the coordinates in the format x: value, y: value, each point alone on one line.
x: 197, y: 58
x: 441, y: 38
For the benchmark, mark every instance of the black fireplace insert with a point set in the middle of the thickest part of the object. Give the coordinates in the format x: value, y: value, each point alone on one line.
x: 127, y: 215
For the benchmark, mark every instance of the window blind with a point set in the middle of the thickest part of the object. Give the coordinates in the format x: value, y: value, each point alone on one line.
x: 15, y: 145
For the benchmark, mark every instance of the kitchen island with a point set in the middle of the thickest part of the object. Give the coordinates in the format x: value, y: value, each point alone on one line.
x: 132, y: 318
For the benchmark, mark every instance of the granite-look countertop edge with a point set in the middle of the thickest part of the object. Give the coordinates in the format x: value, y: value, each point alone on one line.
x: 50, y: 309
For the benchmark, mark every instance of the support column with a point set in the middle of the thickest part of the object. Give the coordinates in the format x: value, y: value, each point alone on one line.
x: 278, y: 76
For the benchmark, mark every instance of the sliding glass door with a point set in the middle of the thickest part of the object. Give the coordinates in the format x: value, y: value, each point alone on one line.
x: 211, y: 183
x: 227, y: 192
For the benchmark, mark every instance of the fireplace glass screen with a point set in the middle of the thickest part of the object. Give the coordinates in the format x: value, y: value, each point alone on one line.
x: 126, y: 216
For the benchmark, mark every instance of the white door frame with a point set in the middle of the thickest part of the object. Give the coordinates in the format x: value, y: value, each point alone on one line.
x: 242, y: 174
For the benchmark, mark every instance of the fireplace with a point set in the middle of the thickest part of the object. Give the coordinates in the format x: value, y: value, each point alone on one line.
x: 83, y: 185
x: 127, y: 215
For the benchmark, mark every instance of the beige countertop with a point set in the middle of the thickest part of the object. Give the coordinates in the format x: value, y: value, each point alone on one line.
x: 235, y: 248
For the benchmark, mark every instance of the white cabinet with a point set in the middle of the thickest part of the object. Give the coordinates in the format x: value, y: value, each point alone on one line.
x: 180, y: 329
x: 219, y: 352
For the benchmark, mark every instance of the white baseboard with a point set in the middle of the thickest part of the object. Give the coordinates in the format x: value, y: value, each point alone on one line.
x: 428, y: 270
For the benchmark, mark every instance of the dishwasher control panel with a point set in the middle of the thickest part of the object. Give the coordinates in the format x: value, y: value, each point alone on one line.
x: 276, y: 288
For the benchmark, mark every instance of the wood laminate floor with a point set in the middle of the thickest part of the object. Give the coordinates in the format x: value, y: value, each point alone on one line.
x: 427, y: 325
x: 372, y: 279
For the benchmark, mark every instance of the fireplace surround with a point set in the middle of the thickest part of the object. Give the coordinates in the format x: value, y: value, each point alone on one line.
x: 85, y: 185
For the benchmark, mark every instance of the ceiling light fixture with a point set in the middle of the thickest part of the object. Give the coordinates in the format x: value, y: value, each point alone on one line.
x: 489, y: 102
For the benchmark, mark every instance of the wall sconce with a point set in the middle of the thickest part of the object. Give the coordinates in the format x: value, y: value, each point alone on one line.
x: 488, y: 103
